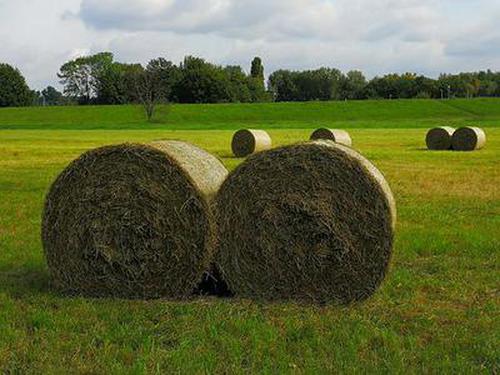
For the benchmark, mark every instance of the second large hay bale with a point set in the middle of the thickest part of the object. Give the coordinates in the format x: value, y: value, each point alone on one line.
x: 313, y: 221
x: 247, y: 141
x: 468, y: 139
x: 132, y: 221
x: 336, y: 135
x: 439, y: 138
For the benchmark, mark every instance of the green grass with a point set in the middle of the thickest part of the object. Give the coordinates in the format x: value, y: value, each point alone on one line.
x: 351, y: 114
x: 436, y: 312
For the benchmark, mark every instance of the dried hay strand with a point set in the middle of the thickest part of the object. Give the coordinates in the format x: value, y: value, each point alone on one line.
x: 336, y: 135
x: 439, y: 138
x: 132, y: 221
x: 308, y: 222
x: 247, y: 141
x: 468, y: 139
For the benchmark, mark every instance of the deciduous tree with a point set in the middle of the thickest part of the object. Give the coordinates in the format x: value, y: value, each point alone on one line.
x: 14, y: 92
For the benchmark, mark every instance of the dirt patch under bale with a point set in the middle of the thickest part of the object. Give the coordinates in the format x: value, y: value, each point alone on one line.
x: 246, y: 142
x: 313, y: 221
x: 132, y: 221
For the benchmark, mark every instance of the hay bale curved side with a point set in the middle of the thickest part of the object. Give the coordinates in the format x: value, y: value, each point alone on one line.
x: 468, y: 139
x: 439, y: 138
x: 132, y: 221
x: 247, y: 141
x: 313, y: 221
x: 336, y: 135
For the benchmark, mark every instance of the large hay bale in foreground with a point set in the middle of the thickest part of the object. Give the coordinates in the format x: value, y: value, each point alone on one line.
x: 132, y: 220
x: 336, y: 135
x: 439, y: 138
x: 312, y: 221
x: 468, y: 139
x: 246, y: 142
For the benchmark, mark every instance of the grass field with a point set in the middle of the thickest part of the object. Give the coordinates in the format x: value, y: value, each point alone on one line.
x: 352, y: 114
x: 438, y: 310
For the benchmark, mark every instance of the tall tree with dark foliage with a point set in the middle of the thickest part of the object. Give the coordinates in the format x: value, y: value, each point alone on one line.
x: 14, y: 92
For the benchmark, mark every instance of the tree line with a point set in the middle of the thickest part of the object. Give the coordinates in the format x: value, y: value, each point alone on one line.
x: 332, y: 84
x: 99, y: 79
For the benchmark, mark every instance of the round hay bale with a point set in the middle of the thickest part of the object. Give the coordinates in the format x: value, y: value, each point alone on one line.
x: 132, y: 221
x: 336, y: 135
x: 468, y: 139
x: 312, y: 221
x: 439, y: 138
x: 246, y: 142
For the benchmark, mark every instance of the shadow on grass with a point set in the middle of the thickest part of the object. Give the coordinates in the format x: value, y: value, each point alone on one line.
x: 161, y: 114
x: 213, y: 285
x: 426, y: 149
x: 29, y: 281
x: 227, y: 155
x: 33, y: 282
x: 25, y: 281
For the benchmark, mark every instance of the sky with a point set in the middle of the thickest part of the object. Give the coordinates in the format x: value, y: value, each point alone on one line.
x: 376, y: 36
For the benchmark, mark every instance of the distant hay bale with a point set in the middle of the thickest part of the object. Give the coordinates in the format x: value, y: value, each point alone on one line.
x: 132, y: 221
x: 439, y: 138
x: 246, y: 142
x: 336, y: 135
x: 312, y: 221
x: 468, y: 139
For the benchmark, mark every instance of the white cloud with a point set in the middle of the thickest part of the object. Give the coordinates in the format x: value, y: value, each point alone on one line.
x: 426, y: 36
x: 37, y: 39
x: 229, y: 18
